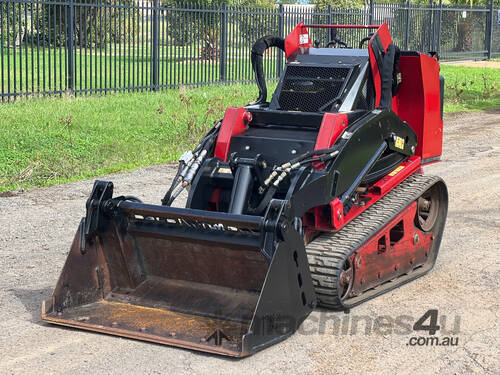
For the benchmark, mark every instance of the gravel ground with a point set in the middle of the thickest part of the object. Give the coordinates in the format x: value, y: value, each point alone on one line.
x: 37, y: 226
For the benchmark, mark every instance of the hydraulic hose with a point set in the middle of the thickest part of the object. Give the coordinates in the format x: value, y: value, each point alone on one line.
x: 189, y: 163
x: 273, y: 181
x: 258, y: 49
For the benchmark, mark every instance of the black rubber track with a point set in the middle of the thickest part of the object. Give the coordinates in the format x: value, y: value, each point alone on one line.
x: 328, y: 252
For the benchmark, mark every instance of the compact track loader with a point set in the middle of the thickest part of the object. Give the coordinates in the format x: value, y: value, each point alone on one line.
x: 316, y: 197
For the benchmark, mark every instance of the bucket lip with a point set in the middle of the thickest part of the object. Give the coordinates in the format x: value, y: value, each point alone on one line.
x: 244, y: 351
x: 49, y: 315
x: 143, y: 336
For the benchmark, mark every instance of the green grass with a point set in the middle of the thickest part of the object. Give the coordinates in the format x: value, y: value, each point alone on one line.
x: 470, y: 89
x: 53, y: 140
x: 48, y: 141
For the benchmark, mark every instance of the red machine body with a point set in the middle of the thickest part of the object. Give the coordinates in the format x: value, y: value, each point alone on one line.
x: 417, y: 102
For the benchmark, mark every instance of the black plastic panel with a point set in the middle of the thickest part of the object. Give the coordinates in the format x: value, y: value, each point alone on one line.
x: 275, y: 151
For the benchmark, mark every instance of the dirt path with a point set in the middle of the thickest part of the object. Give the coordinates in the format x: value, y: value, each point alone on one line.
x: 476, y: 64
x: 36, y: 228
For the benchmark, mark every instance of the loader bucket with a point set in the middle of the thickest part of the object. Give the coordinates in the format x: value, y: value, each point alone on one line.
x: 215, y: 282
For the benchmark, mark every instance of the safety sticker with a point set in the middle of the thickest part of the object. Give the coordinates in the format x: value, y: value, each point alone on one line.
x: 396, y: 171
x: 399, y: 143
x: 303, y: 38
x: 224, y: 171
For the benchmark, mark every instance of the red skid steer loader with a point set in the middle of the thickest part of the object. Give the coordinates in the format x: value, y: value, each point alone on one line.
x: 316, y: 197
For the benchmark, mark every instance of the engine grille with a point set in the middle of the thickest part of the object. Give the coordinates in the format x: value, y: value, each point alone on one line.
x: 311, y: 89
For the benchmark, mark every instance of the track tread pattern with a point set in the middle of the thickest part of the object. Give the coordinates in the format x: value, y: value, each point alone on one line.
x: 327, y: 253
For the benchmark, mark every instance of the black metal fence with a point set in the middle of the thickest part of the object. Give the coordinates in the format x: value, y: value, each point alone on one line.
x: 81, y: 47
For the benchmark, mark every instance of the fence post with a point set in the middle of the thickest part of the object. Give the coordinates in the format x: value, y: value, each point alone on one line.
x: 333, y: 32
x: 281, y: 32
x: 489, y: 31
x: 70, y: 13
x: 407, y: 30
x: 440, y: 20
x: 430, y: 26
x: 372, y: 6
x: 223, y: 48
x: 155, y: 47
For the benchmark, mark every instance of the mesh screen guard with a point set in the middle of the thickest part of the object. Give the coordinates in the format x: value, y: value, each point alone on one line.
x: 312, y: 88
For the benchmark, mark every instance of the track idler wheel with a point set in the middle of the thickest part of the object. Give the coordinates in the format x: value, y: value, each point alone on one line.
x: 428, y: 209
x: 346, y: 279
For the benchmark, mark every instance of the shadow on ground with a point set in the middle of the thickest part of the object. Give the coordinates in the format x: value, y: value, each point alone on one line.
x: 32, y: 301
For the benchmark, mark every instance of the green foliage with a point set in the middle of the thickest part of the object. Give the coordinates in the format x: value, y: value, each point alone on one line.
x: 471, y: 3
x: 189, y: 26
x: 263, y: 22
x: 204, y: 27
x: 9, y: 21
x: 46, y: 23
x: 96, y: 25
x: 338, y: 3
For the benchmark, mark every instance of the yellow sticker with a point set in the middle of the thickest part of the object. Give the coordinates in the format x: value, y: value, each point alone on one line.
x: 224, y: 170
x: 399, y: 143
x: 396, y: 171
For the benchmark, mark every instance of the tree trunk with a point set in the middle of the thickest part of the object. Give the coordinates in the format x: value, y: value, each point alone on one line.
x: 464, y: 35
